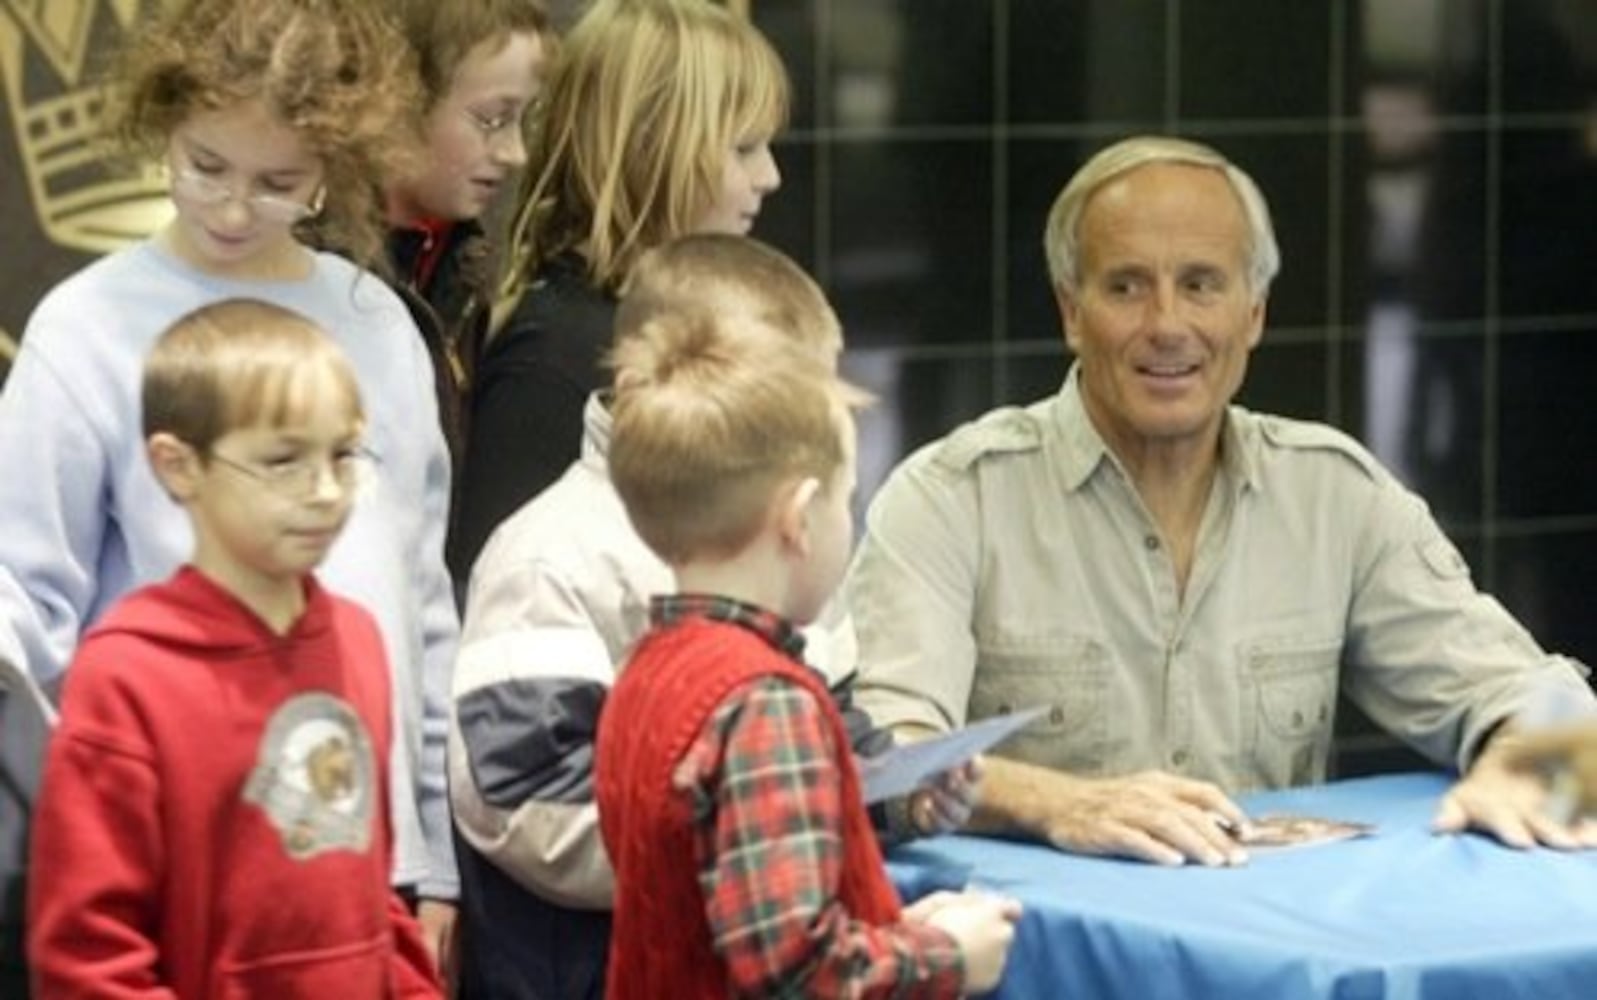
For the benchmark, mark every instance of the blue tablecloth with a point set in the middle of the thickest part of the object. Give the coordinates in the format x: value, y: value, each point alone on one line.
x: 1402, y: 915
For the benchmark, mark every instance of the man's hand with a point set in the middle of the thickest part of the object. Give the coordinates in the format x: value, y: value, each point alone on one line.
x: 1151, y: 816
x: 441, y: 933
x: 1566, y: 754
x: 1505, y: 796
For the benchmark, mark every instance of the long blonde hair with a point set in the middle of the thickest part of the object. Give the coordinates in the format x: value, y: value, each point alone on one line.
x: 644, y: 104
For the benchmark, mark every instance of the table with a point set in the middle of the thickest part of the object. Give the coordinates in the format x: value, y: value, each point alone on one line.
x: 1401, y: 915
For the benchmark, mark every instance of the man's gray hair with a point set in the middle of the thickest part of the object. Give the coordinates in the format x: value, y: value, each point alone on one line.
x: 1062, y: 236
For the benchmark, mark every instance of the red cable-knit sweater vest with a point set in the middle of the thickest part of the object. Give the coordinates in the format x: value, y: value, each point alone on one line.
x: 678, y: 676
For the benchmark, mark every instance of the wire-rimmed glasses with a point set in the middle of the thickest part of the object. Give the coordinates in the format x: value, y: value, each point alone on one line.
x: 210, y: 191
x: 498, y: 124
x: 352, y: 469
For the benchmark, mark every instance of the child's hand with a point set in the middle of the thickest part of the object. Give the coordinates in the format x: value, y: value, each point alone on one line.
x: 945, y: 805
x: 983, y: 926
x: 921, y: 910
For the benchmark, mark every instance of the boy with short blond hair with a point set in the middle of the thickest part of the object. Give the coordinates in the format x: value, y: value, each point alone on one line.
x: 553, y: 614
x: 213, y: 814
x: 729, y: 803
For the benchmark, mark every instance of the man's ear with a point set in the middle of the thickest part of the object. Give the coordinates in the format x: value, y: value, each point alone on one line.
x: 1256, y: 317
x: 794, y: 501
x: 1069, y: 312
x: 176, y: 465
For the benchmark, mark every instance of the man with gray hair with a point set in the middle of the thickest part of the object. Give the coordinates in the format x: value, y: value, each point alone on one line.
x: 1185, y: 584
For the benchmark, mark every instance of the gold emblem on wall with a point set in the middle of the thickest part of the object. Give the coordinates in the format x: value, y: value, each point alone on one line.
x: 83, y: 199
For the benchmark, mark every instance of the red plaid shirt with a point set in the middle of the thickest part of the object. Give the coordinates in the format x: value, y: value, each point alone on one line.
x: 761, y: 781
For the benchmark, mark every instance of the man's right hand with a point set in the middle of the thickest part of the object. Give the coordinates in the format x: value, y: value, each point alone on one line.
x: 1150, y: 816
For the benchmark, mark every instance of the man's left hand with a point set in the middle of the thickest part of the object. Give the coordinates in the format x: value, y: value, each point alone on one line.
x: 1509, y: 802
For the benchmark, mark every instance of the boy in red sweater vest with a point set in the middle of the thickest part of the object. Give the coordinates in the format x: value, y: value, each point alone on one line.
x: 213, y: 815
x: 728, y: 800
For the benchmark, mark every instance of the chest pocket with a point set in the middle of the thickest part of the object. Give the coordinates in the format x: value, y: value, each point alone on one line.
x: 1067, y: 673
x: 1289, y: 701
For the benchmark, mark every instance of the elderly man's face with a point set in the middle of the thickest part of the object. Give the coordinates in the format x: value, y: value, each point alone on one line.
x: 1162, y: 318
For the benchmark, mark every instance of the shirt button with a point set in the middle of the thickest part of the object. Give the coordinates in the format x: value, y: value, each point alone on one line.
x: 1297, y: 720
x: 1180, y: 758
x: 1150, y: 542
x: 1056, y: 715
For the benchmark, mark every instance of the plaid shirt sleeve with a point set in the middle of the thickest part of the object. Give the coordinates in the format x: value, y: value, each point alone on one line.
x: 768, y: 824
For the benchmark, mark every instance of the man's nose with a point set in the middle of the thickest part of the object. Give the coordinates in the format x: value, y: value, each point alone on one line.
x: 1164, y: 305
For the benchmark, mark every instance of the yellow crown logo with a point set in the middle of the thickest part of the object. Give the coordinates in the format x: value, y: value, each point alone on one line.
x: 82, y: 201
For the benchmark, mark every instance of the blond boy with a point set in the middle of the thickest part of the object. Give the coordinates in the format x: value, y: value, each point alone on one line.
x: 553, y: 613
x: 728, y: 800
x: 213, y: 817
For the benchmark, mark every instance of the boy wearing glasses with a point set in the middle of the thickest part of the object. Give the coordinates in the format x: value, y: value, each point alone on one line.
x: 213, y: 816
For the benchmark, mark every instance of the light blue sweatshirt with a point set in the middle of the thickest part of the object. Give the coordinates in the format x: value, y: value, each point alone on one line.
x: 83, y: 519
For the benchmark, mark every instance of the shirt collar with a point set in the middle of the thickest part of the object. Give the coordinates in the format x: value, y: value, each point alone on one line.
x: 418, y: 246
x: 1082, y: 448
x: 596, y: 423
x: 671, y: 609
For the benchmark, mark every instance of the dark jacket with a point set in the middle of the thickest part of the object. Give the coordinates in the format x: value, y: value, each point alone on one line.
x: 447, y: 290
x: 525, y: 425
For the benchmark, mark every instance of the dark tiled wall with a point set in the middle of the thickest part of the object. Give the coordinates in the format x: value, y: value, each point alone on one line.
x: 1431, y: 164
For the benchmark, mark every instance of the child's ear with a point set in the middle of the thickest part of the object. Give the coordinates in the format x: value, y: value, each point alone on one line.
x: 793, y: 513
x: 175, y: 463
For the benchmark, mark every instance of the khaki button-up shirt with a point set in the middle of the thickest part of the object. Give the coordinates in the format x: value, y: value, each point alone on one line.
x: 1013, y: 564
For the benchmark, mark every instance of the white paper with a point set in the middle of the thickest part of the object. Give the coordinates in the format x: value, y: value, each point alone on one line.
x: 906, y: 767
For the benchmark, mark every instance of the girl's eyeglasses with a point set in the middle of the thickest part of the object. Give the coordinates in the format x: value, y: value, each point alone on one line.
x: 208, y: 191
x: 496, y: 125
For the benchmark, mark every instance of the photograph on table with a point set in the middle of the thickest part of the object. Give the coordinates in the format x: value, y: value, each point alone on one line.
x: 1284, y: 830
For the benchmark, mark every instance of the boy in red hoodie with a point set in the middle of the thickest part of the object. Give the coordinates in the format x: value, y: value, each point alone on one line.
x: 213, y: 818
x: 728, y: 800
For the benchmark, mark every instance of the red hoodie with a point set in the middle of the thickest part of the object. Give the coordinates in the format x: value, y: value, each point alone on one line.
x: 213, y: 816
